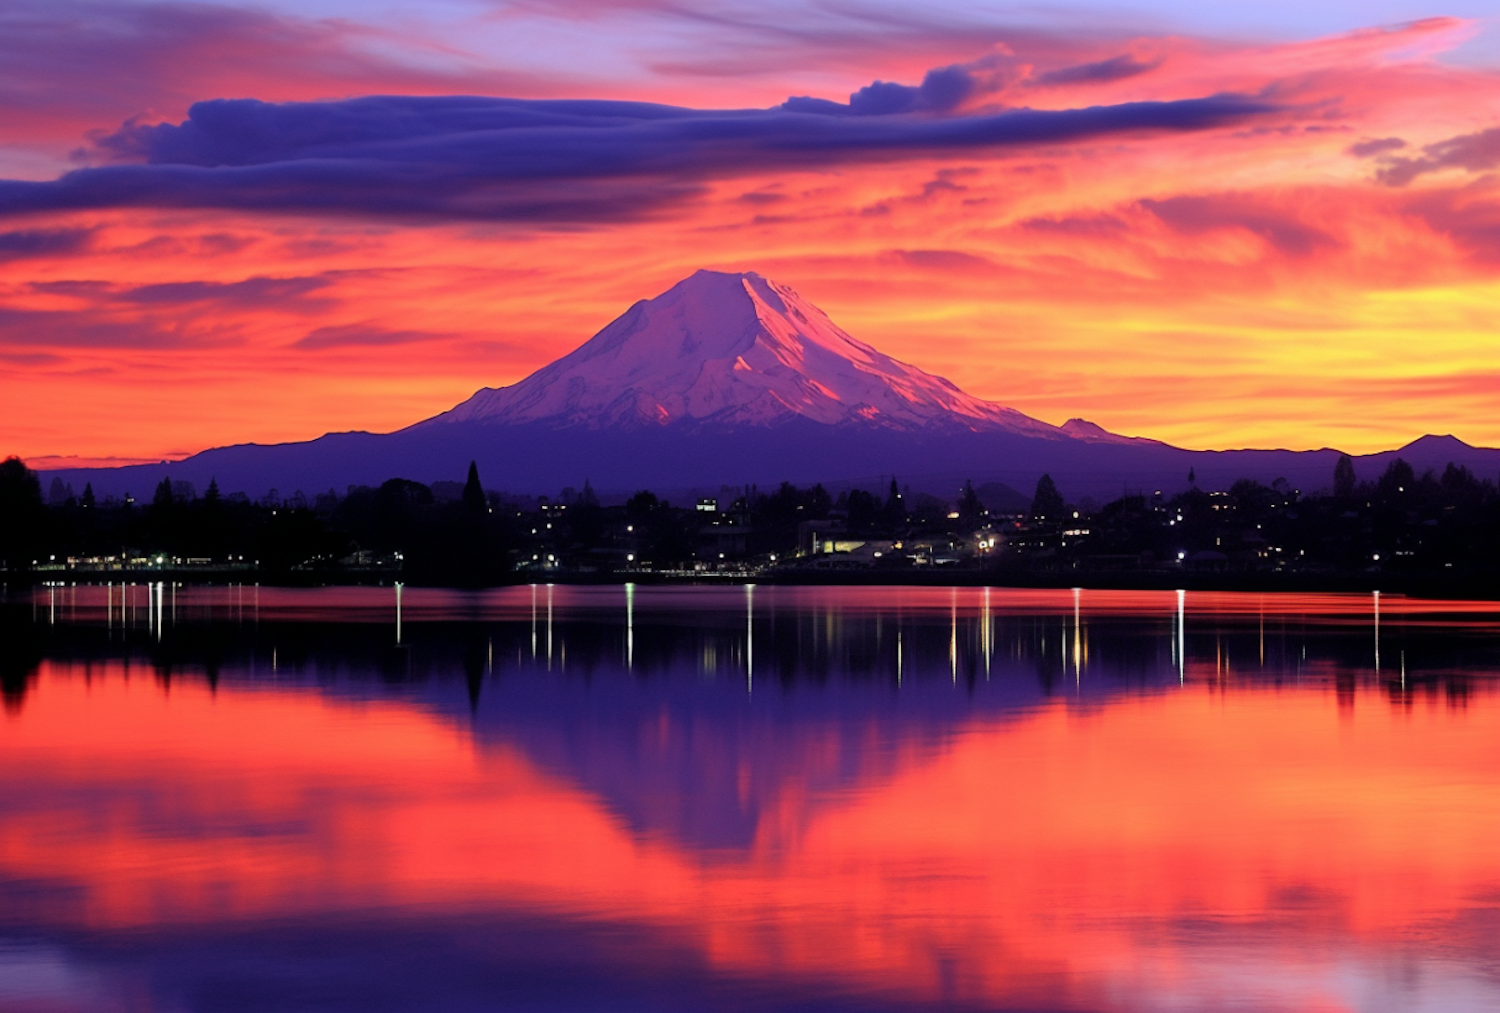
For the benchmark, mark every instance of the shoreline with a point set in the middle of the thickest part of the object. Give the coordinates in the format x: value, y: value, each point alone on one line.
x: 1427, y: 585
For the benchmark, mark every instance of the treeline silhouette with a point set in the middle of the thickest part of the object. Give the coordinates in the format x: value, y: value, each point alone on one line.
x: 1440, y: 523
x: 1435, y: 522
x: 399, y: 525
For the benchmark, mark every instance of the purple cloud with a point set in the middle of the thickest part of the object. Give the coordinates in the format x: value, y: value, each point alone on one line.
x: 1375, y: 146
x: 467, y: 158
x: 23, y: 328
x: 1478, y: 152
x: 363, y: 336
x: 1201, y: 214
x: 28, y: 243
x: 1116, y: 68
x: 252, y: 293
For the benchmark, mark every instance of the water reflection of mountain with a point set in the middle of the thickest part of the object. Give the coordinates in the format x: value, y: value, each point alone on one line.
x: 725, y: 724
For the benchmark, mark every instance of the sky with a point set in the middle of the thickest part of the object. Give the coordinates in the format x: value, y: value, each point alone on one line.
x: 1276, y: 225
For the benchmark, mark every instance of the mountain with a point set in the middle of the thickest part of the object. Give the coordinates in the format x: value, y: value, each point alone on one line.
x: 734, y: 350
x: 736, y: 379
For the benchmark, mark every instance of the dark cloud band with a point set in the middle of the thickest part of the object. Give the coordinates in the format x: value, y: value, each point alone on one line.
x: 467, y: 158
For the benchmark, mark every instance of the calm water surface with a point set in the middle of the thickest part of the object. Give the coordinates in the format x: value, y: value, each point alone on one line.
x: 559, y: 798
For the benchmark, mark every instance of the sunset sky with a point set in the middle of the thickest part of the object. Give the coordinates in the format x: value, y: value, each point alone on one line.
x: 1272, y: 225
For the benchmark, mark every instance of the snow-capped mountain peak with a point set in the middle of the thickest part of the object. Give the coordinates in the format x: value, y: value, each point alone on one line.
x: 734, y: 349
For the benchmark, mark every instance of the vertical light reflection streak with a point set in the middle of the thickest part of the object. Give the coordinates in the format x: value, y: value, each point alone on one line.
x: 988, y: 633
x: 749, y: 638
x: 953, y: 634
x: 1377, y: 631
x: 629, y: 624
x: 398, y: 611
x: 1262, y: 633
x: 1181, y: 637
x: 1077, y: 638
x: 549, y: 627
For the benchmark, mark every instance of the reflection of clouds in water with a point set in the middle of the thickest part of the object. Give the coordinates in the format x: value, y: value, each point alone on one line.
x: 48, y: 978
x: 1343, y: 977
x: 1138, y: 833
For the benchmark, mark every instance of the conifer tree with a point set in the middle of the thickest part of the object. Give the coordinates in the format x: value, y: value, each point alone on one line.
x: 1343, y: 477
x: 1047, y: 504
x: 473, y: 491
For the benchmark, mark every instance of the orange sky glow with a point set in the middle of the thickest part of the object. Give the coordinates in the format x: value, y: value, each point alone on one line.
x: 1286, y: 284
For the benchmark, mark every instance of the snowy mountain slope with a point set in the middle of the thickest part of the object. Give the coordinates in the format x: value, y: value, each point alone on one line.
x: 737, y: 350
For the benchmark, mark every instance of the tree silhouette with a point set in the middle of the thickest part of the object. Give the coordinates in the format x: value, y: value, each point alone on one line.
x: 894, y: 510
x: 1344, y: 479
x: 1398, y: 480
x: 22, y: 515
x: 1047, y: 504
x: 970, y: 510
x: 473, y: 491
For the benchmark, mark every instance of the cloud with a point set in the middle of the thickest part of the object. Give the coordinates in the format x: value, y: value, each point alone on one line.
x: 252, y: 293
x: 1477, y: 152
x: 1093, y: 226
x: 1375, y: 146
x: 32, y: 358
x: 93, y: 328
x: 1283, y: 231
x: 68, y: 65
x: 363, y: 335
x: 947, y: 261
x: 1469, y: 217
x: 467, y: 158
x: 31, y: 243
x: 1116, y: 68
x: 941, y: 90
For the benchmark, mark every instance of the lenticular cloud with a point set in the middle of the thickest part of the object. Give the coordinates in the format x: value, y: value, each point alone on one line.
x: 475, y: 158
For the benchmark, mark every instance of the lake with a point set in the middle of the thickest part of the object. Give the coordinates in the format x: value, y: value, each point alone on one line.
x: 746, y: 798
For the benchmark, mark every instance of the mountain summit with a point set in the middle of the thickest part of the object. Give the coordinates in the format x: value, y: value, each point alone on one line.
x: 735, y: 350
